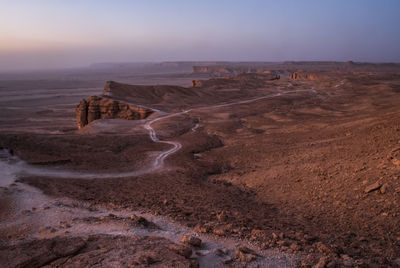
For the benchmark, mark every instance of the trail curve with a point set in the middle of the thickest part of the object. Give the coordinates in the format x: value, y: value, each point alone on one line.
x: 20, y: 167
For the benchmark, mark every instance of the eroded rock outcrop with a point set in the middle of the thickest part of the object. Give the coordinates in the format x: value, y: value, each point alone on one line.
x: 301, y: 75
x: 95, y: 108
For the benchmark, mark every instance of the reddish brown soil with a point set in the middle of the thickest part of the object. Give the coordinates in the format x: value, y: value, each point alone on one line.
x: 288, y: 172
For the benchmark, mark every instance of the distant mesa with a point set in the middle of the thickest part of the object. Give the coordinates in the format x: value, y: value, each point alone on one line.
x: 243, y: 80
x: 96, y: 107
x: 303, y: 75
x: 116, y: 96
x: 229, y: 70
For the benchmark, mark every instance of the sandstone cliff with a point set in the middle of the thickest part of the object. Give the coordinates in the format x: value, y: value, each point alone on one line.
x: 95, y: 108
x: 301, y: 75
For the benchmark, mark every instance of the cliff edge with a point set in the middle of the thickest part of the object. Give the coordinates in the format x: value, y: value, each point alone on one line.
x: 95, y: 108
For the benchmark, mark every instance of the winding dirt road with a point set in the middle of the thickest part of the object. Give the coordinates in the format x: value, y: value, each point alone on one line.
x: 22, y: 168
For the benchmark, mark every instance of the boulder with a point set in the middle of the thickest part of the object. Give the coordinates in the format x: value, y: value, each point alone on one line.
x: 245, y: 254
x: 373, y: 187
x: 191, y: 240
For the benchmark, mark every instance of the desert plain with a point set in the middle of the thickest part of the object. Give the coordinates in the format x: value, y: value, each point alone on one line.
x: 210, y: 164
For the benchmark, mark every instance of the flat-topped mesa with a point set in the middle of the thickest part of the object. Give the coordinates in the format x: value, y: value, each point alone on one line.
x: 302, y: 75
x: 243, y: 80
x: 95, y: 108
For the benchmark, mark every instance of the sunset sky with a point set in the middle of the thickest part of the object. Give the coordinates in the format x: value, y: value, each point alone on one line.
x: 54, y: 33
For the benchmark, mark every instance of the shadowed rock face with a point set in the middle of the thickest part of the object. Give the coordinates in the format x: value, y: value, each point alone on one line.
x: 105, y: 108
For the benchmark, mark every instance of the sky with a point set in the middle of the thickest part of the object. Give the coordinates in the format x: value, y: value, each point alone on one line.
x: 45, y: 34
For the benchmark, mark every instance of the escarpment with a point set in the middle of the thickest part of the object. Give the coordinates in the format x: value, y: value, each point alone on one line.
x: 243, y: 80
x: 95, y: 108
x: 168, y: 98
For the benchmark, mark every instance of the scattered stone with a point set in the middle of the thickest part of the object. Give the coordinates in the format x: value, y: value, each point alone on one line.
x: 181, y: 250
x: 321, y: 263
x: 191, y: 240
x: 141, y: 221
x: 220, y: 230
x: 384, y: 188
x: 222, y: 216
x: 221, y: 252
x: 324, y: 248
x: 372, y: 187
x: 201, y: 229
x: 245, y: 254
x: 257, y: 235
x: 295, y: 247
x: 227, y: 260
x: 274, y: 236
x: 347, y: 261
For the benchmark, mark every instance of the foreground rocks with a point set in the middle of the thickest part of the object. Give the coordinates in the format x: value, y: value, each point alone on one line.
x: 95, y: 250
x: 191, y: 240
x: 95, y: 108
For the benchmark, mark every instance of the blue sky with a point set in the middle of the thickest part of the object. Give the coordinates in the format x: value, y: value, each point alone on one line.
x: 58, y: 33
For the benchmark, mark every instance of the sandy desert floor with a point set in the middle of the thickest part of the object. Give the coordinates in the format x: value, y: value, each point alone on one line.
x: 281, y: 174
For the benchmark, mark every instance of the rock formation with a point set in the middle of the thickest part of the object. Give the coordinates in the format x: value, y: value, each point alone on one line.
x: 196, y: 83
x: 107, y: 88
x: 95, y: 108
x: 301, y: 75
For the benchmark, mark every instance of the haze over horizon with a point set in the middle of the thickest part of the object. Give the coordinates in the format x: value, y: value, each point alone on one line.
x: 54, y: 34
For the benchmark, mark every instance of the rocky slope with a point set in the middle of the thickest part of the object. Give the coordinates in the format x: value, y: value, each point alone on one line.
x: 95, y: 108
